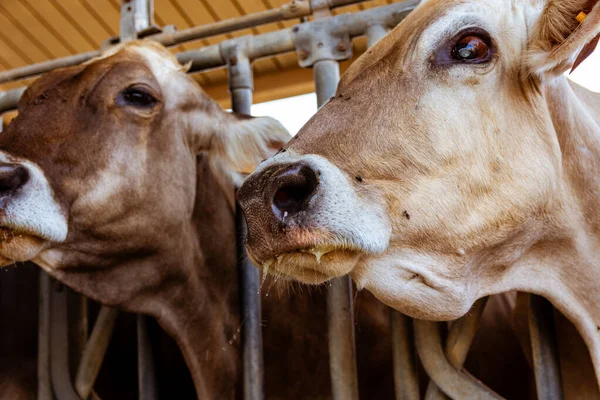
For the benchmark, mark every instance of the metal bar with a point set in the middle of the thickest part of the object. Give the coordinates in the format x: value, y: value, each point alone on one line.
x: 375, y: 33
x: 356, y: 24
x: 327, y: 76
x: 406, y: 381
x: 458, y: 343
x: 342, y: 348
x: 453, y: 382
x: 127, y: 30
x: 544, y: 349
x: 340, y: 313
x: 10, y: 98
x: 44, y: 386
x: 253, y: 381
x: 240, y: 87
x: 59, y: 345
x: 144, y: 14
x: 95, y: 350
x: 147, y: 387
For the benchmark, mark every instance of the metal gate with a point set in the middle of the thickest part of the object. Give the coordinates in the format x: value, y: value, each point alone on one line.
x: 321, y: 44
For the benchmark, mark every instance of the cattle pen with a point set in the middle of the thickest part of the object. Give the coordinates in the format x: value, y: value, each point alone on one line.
x: 320, y: 42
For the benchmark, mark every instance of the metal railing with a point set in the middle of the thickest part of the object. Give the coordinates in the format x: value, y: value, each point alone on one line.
x: 319, y: 44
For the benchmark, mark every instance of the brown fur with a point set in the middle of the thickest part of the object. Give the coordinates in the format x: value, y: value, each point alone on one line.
x: 151, y: 224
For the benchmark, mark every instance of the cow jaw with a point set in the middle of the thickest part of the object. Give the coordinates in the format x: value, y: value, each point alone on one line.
x: 30, y: 218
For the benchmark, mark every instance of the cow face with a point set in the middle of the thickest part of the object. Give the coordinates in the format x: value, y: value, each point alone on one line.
x: 435, y: 166
x: 100, y: 165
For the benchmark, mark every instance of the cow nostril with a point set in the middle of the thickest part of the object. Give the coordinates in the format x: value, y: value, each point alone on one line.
x: 296, y: 188
x: 12, y: 177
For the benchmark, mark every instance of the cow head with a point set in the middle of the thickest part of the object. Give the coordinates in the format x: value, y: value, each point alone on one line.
x: 437, y: 167
x: 99, y: 168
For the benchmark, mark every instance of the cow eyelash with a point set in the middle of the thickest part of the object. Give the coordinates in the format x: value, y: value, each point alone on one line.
x: 137, y: 97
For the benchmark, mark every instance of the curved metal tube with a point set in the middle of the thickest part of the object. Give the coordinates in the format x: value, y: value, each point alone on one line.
x: 453, y: 382
x: 459, y: 342
x: 94, y: 352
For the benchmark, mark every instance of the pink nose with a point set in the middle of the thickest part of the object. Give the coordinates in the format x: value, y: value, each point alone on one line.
x: 12, y: 177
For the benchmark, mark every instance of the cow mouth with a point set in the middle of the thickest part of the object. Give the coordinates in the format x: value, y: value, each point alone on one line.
x: 312, y: 265
x: 18, y: 246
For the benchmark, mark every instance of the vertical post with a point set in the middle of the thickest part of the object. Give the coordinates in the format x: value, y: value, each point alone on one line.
x: 544, y: 349
x: 340, y: 313
x: 59, y: 345
x: 406, y: 381
x: 240, y: 87
x: 147, y: 389
x: 44, y: 388
x: 374, y: 34
x: 136, y: 16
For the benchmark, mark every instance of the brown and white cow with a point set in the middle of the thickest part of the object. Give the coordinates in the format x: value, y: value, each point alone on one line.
x: 455, y: 162
x: 117, y: 179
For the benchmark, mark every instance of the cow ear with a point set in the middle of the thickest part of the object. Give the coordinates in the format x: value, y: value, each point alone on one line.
x: 245, y: 141
x: 566, y: 32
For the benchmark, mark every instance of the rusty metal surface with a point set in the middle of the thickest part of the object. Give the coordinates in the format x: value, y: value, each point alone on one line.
x: 95, y: 350
x: 452, y: 381
x: 406, y: 382
x: 147, y: 384
x: 59, y: 345
x: 544, y: 349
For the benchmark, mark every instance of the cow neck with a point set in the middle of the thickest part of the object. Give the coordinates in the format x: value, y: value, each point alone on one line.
x: 202, y: 312
x: 564, y: 266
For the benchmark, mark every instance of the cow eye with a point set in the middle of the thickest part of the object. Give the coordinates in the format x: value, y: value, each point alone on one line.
x: 136, y: 97
x: 471, y: 49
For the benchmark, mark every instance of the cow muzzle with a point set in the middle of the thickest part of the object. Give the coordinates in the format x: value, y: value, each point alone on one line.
x: 30, y: 217
x: 306, y: 220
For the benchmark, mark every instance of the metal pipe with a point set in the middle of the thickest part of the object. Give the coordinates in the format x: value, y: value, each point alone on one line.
x: 342, y: 347
x: 327, y: 76
x: 10, y: 98
x: 453, y: 382
x: 44, y: 386
x: 59, y: 345
x: 46, y: 66
x: 253, y: 380
x: 356, y: 24
x: 406, y: 382
x: 127, y: 31
x: 144, y: 14
x: 147, y: 385
x: 240, y: 87
x: 340, y: 313
x: 95, y: 350
x: 544, y: 349
x: 375, y: 33
x: 458, y: 343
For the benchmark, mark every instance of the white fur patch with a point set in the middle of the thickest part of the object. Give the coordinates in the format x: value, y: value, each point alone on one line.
x: 356, y: 222
x: 33, y: 209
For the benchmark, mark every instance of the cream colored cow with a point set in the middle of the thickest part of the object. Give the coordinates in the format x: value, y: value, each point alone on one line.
x: 455, y: 162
